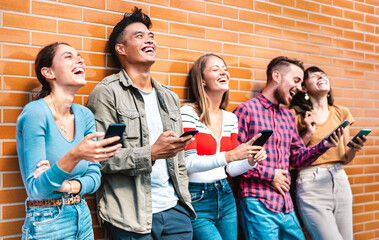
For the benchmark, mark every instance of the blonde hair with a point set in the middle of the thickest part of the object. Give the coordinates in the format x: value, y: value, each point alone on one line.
x: 202, y: 101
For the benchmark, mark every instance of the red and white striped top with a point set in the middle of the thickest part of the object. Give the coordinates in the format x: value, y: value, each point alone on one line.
x: 205, y: 156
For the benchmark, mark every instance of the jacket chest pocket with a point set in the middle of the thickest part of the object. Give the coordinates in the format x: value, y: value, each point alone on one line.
x: 174, y: 120
x: 133, y: 125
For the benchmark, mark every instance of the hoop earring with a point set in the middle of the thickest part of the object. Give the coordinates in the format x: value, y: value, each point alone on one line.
x: 306, y: 96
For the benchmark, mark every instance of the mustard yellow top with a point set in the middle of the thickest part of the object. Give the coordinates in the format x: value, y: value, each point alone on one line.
x: 336, y: 116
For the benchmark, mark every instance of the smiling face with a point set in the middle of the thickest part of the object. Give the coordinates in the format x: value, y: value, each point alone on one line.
x: 216, y: 76
x: 289, y: 83
x: 317, y: 83
x: 68, y: 67
x: 138, y: 46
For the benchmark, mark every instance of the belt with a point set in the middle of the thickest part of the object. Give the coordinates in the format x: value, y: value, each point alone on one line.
x: 54, y: 202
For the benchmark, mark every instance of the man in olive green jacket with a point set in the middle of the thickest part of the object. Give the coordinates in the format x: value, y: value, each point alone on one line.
x: 144, y: 190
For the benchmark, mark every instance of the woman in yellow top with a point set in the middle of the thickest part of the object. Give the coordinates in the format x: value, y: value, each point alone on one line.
x: 323, y: 192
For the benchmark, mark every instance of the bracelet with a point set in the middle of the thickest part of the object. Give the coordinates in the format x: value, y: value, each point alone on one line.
x: 72, y: 187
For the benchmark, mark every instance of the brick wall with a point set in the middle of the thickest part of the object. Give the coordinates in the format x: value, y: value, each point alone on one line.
x: 340, y: 36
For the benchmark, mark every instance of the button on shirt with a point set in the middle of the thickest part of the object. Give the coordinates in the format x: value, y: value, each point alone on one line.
x: 283, y: 148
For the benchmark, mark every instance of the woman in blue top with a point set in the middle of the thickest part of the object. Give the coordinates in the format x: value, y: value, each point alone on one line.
x: 57, y: 154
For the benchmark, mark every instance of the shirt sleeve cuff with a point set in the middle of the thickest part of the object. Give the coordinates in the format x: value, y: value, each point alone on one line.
x: 57, y: 175
x: 221, y: 161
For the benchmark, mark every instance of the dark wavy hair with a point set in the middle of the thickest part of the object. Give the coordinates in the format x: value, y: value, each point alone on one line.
x: 45, y: 59
x: 299, y: 103
x: 118, y: 32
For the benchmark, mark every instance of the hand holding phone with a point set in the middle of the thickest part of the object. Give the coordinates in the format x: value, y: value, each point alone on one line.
x: 263, y: 138
x: 115, y: 129
x: 189, y: 132
x: 363, y: 132
x: 343, y: 125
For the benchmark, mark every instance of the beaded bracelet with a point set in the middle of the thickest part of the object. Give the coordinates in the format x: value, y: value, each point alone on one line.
x: 72, y: 187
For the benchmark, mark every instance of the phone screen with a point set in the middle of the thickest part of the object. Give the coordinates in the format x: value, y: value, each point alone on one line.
x: 115, y: 129
x: 263, y: 139
x: 189, y: 132
x: 343, y: 125
x: 359, y: 134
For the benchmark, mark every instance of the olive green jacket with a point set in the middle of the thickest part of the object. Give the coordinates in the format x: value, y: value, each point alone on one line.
x: 124, y: 197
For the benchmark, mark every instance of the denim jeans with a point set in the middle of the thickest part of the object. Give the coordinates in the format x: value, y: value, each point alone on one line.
x: 59, y: 222
x: 325, y: 201
x: 171, y: 224
x: 216, y: 211
x: 260, y: 223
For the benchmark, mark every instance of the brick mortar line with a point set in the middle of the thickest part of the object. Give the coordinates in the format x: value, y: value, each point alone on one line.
x: 222, y: 18
x: 223, y: 42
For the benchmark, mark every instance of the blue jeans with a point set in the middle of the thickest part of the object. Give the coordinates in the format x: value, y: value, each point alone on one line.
x: 60, y: 222
x: 216, y: 211
x: 260, y: 223
x: 171, y: 224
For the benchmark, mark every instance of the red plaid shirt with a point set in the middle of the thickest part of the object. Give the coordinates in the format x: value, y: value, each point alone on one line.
x: 283, y: 148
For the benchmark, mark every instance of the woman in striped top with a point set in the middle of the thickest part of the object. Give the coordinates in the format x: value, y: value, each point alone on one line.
x: 214, y: 148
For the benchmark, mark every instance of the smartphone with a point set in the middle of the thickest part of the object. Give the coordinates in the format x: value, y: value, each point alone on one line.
x: 360, y: 134
x: 189, y: 132
x: 115, y: 129
x: 343, y: 125
x: 263, y: 138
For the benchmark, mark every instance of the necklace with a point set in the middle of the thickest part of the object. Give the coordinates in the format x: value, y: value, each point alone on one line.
x: 62, y: 128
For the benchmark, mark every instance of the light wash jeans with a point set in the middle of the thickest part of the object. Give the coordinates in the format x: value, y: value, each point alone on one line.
x: 325, y: 202
x: 63, y: 222
x: 216, y: 211
x: 259, y: 223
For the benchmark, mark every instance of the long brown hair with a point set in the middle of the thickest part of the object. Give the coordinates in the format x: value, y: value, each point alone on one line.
x: 202, y: 101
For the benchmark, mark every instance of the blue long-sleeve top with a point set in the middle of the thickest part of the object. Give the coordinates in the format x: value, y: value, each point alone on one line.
x: 39, y: 138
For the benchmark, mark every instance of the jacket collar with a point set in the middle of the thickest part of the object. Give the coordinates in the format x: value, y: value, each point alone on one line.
x: 127, y: 82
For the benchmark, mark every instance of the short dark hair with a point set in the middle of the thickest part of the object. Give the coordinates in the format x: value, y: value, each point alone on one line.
x: 118, y: 32
x: 45, y: 59
x: 278, y: 62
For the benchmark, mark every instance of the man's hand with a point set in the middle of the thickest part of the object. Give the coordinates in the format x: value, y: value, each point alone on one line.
x: 168, y: 145
x: 280, y: 181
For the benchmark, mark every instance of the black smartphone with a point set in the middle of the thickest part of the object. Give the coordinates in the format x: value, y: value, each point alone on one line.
x: 263, y: 138
x: 364, y: 132
x: 343, y: 125
x: 189, y: 132
x: 115, y: 129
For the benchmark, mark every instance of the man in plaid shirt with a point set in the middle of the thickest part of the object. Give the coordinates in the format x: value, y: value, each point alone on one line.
x: 266, y: 206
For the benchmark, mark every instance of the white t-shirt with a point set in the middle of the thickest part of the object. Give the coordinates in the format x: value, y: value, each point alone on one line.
x: 162, y: 192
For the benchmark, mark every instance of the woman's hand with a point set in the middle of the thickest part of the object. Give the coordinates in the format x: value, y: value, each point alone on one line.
x: 334, y: 139
x: 66, y: 187
x: 309, y: 123
x: 358, y: 146
x: 95, y: 151
x: 42, y: 166
x: 244, y: 150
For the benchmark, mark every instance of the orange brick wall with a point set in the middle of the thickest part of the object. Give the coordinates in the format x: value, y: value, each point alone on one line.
x: 341, y: 36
